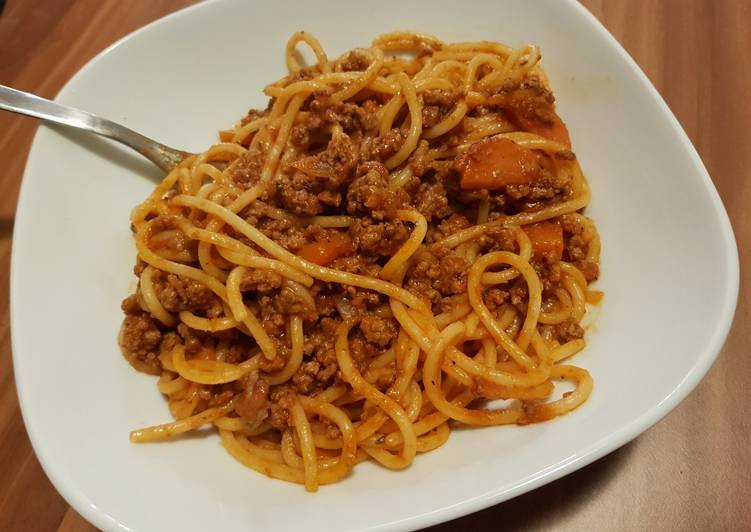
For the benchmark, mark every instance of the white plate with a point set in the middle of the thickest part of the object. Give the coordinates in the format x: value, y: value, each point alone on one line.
x: 669, y: 269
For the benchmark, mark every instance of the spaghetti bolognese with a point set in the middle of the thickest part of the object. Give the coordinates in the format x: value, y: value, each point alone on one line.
x: 393, y: 243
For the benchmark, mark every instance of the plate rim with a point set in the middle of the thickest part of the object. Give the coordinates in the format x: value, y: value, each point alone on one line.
x: 599, y: 448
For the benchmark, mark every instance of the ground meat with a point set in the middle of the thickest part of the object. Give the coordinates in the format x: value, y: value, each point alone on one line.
x: 140, y: 336
x: 590, y: 269
x: 527, y: 103
x: 319, y: 367
x: 305, y: 377
x: 304, y: 74
x: 576, y: 248
x: 379, y: 331
x: 278, y: 362
x: 438, y: 103
x: 382, y: 147
x: 519, y: 294
x: 431, y: 201
x: 385, y: 381
x: 370, y: 193
x: 355, y: 119
x: 494, y: 298
x: 177, y: 293
x: 431, y: 115
x: 453, y: 277
x: 362, y: 351
x: 299, y: 194
x: 273, y: 321
x: 280, y: 402
x: 238, y: 347
x: 442, y: 97
x: 549, y: 272
x: 423, y: 278
x: 568, y: 330
x: 284, y: 232
x: 169, y: 341
x: 314, y: 375
x: 381, y: 239
x: 546, y: 188
x: 332, y: 431
x: 131, y: 305
x: 447, y: 227
x: 245, y: 171
x: 262, y: 281
x: 423, y: 289
x: 192, y: 340
x: 312, y: 184
x: 355, y: 60
x: 427, y: 267
x: 498, y: 238
x: 300, y: 136
x: 360, y: 299
x: 289, y: 302
x: 169, y: 241
x: 572, y: 225
x: 139, y: 267
x: 331, y: 167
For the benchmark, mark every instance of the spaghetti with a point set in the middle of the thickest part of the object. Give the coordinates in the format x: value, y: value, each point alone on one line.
x: 391, y: 245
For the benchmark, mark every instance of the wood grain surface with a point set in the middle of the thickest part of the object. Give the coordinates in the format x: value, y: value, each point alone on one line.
x: 690, y: 472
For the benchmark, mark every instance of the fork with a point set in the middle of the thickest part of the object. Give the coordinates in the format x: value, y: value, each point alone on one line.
x: 24, y: 103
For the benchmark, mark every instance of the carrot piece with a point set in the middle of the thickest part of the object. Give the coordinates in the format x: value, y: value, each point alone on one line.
x: 226, y: 135
x: 497, y: 162
x: 547, y: 239
x: 322, y: 252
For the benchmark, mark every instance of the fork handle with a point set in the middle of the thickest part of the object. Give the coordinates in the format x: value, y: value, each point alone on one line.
x: 24, y: 103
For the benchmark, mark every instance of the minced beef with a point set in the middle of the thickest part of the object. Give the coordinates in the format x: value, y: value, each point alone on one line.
x: 431, y: 201
x: 178, y: 293
x: 447, y: 227
x: 379, y: 331
x: 245, y: 171
x: 284, y: 232
x: 382, y: 147
x: 370, y: 194
x: 380, y: 239
x: 140, y: 336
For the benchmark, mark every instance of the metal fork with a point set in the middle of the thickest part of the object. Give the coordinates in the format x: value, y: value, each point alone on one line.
x: 16, y: 101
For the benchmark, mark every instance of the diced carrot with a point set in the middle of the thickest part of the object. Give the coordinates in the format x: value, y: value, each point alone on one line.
x: 547, y: 239
x: 322, y: 252
x: 497, y: 162
x: 226, y: 135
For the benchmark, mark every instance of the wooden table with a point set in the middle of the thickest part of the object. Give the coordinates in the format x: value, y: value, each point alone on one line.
x: 690, y: 472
